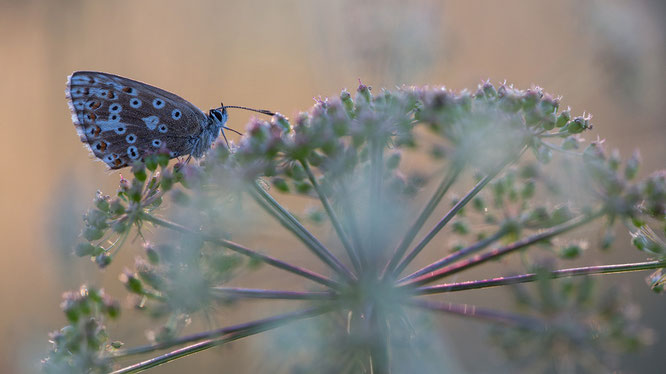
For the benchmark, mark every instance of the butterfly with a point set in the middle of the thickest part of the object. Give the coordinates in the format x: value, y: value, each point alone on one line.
x: 121, y: 120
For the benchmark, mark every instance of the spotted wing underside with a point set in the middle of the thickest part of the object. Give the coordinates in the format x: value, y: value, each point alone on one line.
x: 122, y: 120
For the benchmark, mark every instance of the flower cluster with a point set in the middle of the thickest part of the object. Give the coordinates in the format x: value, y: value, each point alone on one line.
x: 521, y: 177
x: 83, y: 346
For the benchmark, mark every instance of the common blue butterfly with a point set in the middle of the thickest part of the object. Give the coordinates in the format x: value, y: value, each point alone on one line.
x: 122, y: 120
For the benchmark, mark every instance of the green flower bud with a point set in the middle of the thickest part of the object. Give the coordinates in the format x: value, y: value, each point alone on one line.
x: 296, y: 172
x: 150, y: 276
x: 166, y: 180
x: 163, y: 159
x: 139, y: 171
x: 479, y: 204
x: 103, y: 260
x: 570, y: 143
x: 151, y: 162
x: 96, y: 218
x: 302, y: 187
x: 111, y: 308
x: 460, y: 227
x: 151, y: 254
x: 116, y: 207
x: 71, y: 309
x: 614, y: 160
x: 135, y: 192
x: 532, y: 117
x: 316, y: 159
x: 561, y: 214
x: 92, y: 233
x: 281, y: 122
x: 528, y: 190
x: 633, y: 163
x: 571, y: 251
x: 563, y: 118
x: 315, y: 215
x: 363, y: 92
x: 548, y: 105
x: 488, y: 90
x: 529, y: 171
x: 280, y: 184
x: 640, y: 242
x: 86, y: 249
x: 120, y: 226
x: 577, y: 125
x: 101, y: 201
x: 657, y: 281
x: 116, y: 344
x: 548, y: 121
x: 131, y: 282
x: 530, y: 98
x: 346, y: 99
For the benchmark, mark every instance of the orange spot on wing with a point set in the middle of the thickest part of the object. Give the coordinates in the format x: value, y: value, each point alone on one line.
x: 127, y: 89
x: 96, y: 105
x: 97, y: 131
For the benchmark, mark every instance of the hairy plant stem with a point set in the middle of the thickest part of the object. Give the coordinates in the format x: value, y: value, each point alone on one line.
x: 245, y: 251
x: 254, y: 293
x: 353, y: 256
x: 502, y: 251
x: 472, y: 311
x: 525, y: 278
x: 272, y: 207
x: 213, y: 339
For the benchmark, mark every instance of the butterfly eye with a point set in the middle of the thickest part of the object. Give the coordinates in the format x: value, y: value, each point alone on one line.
x: 216, y: 113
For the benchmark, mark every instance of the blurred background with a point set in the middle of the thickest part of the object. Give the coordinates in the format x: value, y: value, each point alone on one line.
x: 604, y: 57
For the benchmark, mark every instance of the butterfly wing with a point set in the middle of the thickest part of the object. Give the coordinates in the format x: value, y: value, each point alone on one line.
x: 121, y: 120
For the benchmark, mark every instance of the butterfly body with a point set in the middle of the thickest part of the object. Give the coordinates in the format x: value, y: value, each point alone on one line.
x: 121, y: 120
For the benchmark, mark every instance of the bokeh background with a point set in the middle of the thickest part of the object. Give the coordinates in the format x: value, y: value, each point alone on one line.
x: 605, y: 57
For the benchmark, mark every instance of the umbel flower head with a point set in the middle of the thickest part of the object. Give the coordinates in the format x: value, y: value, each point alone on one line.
x: 468, y: 178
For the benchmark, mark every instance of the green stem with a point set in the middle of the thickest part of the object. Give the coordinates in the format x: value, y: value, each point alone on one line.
x: 272, y: 207
x: 524, y: 278
x: 440, y: 225
x: 332, y: 216
x: 441, y: 190
x: 351, y: 225
x: 246, y: 251
x: 212, y: 338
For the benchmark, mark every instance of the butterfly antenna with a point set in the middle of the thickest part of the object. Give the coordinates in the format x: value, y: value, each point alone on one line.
x: 262, y: 111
